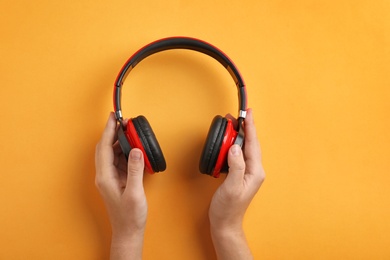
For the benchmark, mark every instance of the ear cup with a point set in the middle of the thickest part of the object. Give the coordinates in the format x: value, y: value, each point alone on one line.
x: 141, y: 135
x: 229, y: 138
x: 212, y: 145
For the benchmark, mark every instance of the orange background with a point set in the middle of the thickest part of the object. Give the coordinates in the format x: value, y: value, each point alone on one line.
x: 317, y: 74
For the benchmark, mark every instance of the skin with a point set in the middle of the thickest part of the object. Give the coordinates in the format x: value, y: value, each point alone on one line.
x: 121, y: 187
x: 232, y: 198
x: 120, y: 184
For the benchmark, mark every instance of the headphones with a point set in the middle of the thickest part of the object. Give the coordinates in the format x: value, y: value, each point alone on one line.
x: 222, y: 134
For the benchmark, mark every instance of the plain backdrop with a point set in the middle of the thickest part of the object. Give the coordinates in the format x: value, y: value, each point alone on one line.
x: 317, y: 74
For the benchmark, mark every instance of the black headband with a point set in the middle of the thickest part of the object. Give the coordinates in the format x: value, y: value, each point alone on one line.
x: 180, y: 43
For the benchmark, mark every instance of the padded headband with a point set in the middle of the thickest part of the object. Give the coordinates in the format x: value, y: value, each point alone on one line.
x: 180, y: 43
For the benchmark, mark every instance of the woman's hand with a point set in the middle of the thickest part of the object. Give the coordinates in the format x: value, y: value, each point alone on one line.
x: 232, y: 198
x: 120, y: 184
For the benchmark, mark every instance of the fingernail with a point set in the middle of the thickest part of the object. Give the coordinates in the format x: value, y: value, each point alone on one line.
x: 235, y: 150
x: 135, y: 155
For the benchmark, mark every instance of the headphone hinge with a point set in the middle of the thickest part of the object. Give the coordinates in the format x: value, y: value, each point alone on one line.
x: 118, y: 115
x: 242, y: 114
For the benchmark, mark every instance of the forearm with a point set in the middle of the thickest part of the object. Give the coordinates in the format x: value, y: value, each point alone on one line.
x: 230, y: 244
x: 124, y: 248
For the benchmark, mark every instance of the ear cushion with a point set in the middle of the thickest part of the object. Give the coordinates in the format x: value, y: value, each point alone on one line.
x: 149, y: 143
x: 212, y: 145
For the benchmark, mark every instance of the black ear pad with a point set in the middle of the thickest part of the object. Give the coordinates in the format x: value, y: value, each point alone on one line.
x: 149, y: 143
x: 213, y: 145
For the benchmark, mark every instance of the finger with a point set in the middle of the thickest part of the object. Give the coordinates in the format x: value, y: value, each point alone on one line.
x: 252, y: 149
x: 236, y: 166
x: 104, y: 158
x: 108, y: 136
x: 104, y: 154
x: 252, y: 146
x: 135, y: 171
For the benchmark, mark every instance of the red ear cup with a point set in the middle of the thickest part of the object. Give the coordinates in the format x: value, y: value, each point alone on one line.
x: 219, y: 139
x: 140, y: 135
x: 228, y: 140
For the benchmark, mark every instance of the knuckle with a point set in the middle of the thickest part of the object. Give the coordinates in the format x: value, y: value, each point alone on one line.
x: 134, y: 197
x: 261, y: 177
x: 133, y: 171
x: 135, y: 168
x: 238, y: 166
x: 100, y: 183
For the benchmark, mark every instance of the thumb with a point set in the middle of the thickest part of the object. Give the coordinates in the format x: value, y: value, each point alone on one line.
x: 236, y: 165
x: 135, y: 170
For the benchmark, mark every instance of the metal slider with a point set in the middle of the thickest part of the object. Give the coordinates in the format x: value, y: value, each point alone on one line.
x: 242, y: 113
x: 118, y: 114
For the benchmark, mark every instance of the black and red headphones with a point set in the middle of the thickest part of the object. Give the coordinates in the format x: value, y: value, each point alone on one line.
x: 222, y: 134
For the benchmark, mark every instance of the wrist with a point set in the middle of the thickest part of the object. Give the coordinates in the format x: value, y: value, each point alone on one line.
x: 225, y: 231
x: 125, y: 246
x: 230, y: 243
x: 124, y: 237
x: 225, y: 225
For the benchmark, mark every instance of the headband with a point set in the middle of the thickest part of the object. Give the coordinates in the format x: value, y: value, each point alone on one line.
x: 180, y: 43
